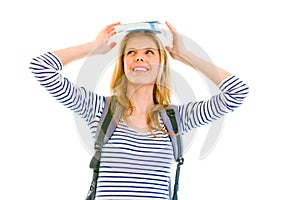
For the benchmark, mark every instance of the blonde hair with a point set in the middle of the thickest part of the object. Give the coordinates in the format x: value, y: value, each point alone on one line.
x: 161, y: 89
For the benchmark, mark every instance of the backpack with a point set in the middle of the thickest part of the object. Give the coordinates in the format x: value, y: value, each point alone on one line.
x: 108, y: 122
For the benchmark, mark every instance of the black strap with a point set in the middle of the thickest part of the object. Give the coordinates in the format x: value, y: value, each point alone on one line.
x: 104, y: 125
x: 176, y: 184
x: 100, y: 134
x: 172, y: 116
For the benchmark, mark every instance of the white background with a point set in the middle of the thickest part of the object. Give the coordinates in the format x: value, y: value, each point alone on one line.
x: 257, y: 157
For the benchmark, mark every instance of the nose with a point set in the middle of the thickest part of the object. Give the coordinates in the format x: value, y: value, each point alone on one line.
x: 139, y: 58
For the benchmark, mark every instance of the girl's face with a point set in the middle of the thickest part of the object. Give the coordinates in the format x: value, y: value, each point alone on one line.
x: 141, y: 60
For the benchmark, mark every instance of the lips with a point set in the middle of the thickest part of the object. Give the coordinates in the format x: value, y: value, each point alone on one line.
x: 140, y: 69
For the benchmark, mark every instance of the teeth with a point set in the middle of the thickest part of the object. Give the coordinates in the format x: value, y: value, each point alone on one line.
x: 140, y: 69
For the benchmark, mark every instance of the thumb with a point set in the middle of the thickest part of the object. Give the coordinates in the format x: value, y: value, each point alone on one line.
x: 112, y: 45
x: 168, y: 48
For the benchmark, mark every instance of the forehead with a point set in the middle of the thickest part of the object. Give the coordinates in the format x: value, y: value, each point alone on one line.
x: 140, y: 42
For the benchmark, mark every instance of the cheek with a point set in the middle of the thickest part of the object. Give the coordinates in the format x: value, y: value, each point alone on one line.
x: 126, y: 63
x: 154, y: 60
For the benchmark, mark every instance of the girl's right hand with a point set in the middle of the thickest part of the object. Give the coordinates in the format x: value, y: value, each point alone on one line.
x: 101, y: 42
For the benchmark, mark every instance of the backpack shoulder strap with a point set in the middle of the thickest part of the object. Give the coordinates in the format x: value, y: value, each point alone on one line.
x: 171, y: 119
x: 108, y: 122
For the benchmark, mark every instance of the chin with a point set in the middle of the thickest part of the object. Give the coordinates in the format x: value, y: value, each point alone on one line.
x: 142, y: 82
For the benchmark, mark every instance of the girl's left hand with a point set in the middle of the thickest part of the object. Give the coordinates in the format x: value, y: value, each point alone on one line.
x: 178, y: 51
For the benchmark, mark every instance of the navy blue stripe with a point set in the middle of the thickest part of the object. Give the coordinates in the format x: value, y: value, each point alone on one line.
x: 138, y: 137
x: 134, y: 168
x: 138, y: 144
x: 135, y: 187
x: 54, y: 60
x: 132, y: 196
x: 117, y: 137
x: 135, y: 191
x: 60, y: 65
x: 134, y: 164
x: 140, y: 182
x: 124, y: 148
x: 43, y: 58
x: 135, y: 173
x: 226, y: 81
x: 132, y: 177
x: 131, y: 154
x: 136, y: 159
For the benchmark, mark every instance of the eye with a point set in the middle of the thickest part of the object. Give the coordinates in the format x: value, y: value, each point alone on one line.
x: 149, y: 52
x: 130, y: 52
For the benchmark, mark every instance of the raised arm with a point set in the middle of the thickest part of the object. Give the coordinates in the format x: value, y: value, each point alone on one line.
x: 46, y: 69
x: 179, y: 52
x: 99, y: 46
x: 232, y: 90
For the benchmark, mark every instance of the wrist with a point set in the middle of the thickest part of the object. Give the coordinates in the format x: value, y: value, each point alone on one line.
x: 89, y: 47
x: 185, y: 57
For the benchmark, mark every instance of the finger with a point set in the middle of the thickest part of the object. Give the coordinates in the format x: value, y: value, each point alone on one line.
x: 111, y: 30
x: 175, y: 34
x: 172, y: 28
x: 112, y: 45
x: 169, y: 49
x: 111, y: 27
x: 113, y: 24
x: 113, y: 33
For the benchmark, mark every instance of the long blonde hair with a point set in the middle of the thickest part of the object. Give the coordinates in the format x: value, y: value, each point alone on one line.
x: 161, y: 89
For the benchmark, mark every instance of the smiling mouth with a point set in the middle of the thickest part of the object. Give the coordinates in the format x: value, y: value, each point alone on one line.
x: 140, y: 69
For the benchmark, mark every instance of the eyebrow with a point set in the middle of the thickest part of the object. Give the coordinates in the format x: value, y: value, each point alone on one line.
x: 147, y: 48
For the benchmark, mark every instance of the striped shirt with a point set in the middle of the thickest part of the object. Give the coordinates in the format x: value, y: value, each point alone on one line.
x: 134, y: 165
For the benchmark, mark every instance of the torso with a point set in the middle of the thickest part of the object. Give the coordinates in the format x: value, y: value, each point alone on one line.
x: 135, y: 165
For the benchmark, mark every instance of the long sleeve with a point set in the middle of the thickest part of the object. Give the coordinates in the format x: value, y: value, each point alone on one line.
x: 195, y: 114
x: 46, y: 69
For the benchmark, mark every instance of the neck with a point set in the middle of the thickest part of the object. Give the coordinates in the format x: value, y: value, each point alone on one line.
x: 141, y: 97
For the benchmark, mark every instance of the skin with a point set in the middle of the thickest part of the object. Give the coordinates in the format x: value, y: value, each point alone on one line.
x: 137, y: 53
x: 141, y: 53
